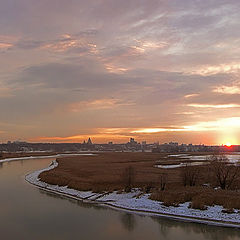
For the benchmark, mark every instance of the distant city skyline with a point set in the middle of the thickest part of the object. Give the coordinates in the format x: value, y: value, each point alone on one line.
x: 131, y: 146
x: 90, y: 141
x: 155, y: 70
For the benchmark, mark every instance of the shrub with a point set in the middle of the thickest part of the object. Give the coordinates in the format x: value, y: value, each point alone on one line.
x: 199, y: 196
x: 163, y: 181
x: 169, y: 203
x: 229, y: 211
x: 198, y: 204
x: 190, y: 175
x: 148, y: 187
x: 225, y: 175
x: 128, y: 178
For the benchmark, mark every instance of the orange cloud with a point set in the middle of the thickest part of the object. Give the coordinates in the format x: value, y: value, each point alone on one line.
x: 233, y: 67
x: 227, y: 128
x: 69, y: 42
x: 227, y: 90
x: 97, y: 138
x: 191, y: 95
x: 5, y: 45
x: 7, y: 41
x: 145, y: 45
x: 106, y: 103
x: 214, y: 106
x: 115, y: 69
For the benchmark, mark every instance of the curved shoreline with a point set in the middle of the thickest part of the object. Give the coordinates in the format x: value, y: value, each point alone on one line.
x: 93, y: 198
x: 42, y: 156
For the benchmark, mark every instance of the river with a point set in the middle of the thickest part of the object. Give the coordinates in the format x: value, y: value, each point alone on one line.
x: 27, y: 212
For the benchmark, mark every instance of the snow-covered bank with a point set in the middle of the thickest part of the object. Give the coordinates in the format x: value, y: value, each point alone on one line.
x: 140, y: 203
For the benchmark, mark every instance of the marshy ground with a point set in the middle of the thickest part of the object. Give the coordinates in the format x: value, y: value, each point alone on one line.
x: 103, y: 172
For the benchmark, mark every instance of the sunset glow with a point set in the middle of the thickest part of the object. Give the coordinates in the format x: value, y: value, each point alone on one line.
x: 126, y: 104
x: 228, y: 144
x: 155, y: 71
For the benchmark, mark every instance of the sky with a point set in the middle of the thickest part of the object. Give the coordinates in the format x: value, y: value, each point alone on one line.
x: 155, y: 70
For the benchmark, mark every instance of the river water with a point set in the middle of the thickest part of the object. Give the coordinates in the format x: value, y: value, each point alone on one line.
x: 27, y: 212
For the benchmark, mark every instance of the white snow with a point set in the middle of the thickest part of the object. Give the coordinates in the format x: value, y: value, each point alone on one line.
x: 199, y: 160
x: 142, y: 204
x: 178, y: 155
x: 179, y: 165
x: 233, y: 158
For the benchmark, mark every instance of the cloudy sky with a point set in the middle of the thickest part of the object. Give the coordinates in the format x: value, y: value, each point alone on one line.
x: 156, y: 70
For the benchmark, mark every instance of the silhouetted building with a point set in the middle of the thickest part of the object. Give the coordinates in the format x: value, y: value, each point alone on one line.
x: 89, y: 142
x: 132, y: 141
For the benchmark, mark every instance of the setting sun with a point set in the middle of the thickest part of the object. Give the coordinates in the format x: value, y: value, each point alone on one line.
x: 228, y: 144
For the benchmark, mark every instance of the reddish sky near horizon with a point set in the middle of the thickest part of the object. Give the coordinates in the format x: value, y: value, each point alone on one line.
x: 156, y: 70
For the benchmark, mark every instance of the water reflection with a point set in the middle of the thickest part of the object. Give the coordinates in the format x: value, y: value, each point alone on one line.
x: 128, y: 221
x: 166, y: 226
x: 80, y: 203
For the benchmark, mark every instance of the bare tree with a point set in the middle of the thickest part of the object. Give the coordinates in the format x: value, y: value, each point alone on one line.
x: 224, y: 173
x: 163, y: 181
x: 128, y: 178
x: 189, y: 175
x: 149, y: 186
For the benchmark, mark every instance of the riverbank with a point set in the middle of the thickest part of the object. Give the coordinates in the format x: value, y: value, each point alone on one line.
x: 138, y: 202
x: 7, y: 155
x: 10, y: 159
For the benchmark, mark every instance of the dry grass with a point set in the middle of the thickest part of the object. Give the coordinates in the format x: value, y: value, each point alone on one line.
x: 105, y: 172
x: 199, y: 197
x: 174, y: 197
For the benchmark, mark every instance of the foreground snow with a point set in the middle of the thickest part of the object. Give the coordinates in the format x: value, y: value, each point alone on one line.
x: 137, y: 202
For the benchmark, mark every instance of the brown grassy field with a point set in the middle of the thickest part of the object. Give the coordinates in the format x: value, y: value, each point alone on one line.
x: 104, y: 171
x: 107, y: 172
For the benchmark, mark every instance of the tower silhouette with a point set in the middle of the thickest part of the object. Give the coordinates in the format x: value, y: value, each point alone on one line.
x: 89, y: 142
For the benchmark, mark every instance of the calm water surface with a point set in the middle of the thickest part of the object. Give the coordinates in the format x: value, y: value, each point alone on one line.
x: 29, y: 213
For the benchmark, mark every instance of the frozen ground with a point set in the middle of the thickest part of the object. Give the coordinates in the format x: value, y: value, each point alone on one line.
x: 199, y: 160
x: 233, y: 158
x: 140, y: 203
x: 180, y: 165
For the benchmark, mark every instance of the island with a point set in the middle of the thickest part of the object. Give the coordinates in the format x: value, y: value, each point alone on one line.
x: 196, y: 187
